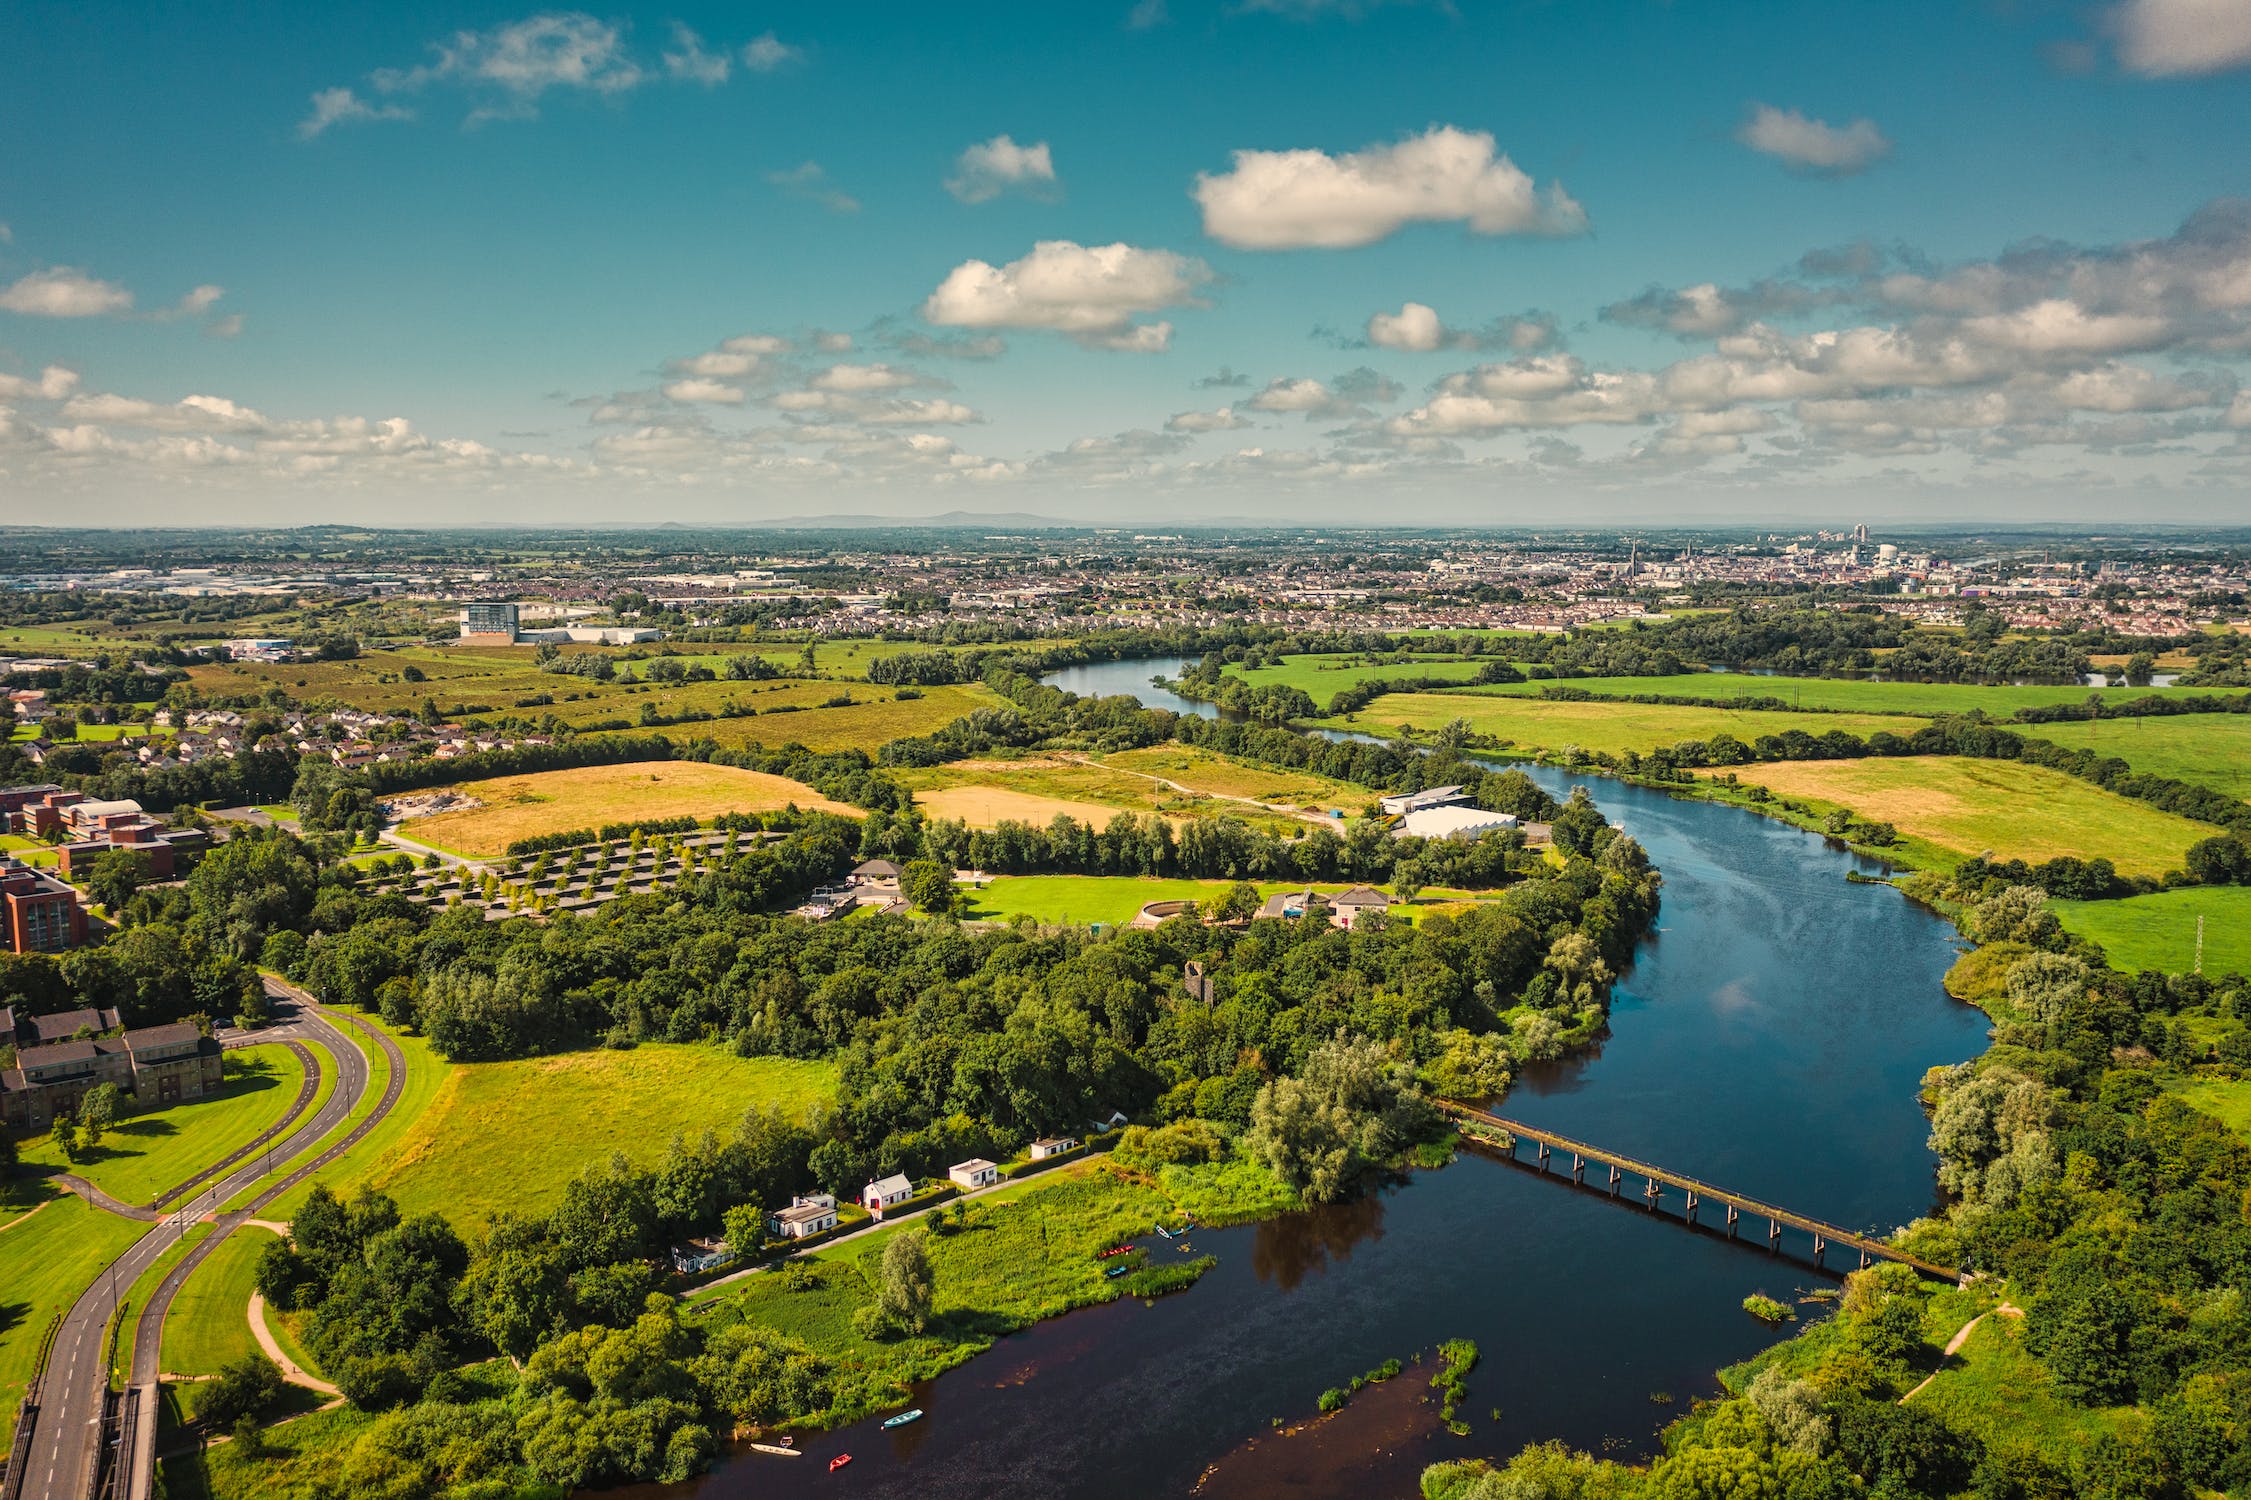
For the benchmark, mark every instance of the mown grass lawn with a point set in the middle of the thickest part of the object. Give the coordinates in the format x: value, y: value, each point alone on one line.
x: 1914, y: 699
x: 2211, y: 750
x: 146, y: 1154
x: 509, y: 1135
x: 425, y: 1073
x: 1529, y: 724
x: 2158, y: 931
x: 209, y: 1325
x: 47, y: 1258
x: 1009, y: 1265
x: 1223, y: 776
x: 1966, y: 807
x: 1322, y: 677
x: 864, y: 726
x: 587, y: 797
x: 1114, y: 899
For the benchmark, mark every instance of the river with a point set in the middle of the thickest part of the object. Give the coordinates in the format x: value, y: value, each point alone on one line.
x: 1769, y: 1038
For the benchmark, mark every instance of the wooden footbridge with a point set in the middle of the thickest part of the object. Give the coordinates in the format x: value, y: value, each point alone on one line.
x: 1477, y: 1124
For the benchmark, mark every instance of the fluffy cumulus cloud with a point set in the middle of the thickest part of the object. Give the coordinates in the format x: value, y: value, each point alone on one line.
x: 1289, y: 200
x: 1093, y: 293
x: 1416, y: 329
x: 503, y: 72
x: 1226, y: 419
x: 1805, y: 144
x: 2172, y: 38
x: 990, y: 168
x: 65, y: 292
x: 51, y: 384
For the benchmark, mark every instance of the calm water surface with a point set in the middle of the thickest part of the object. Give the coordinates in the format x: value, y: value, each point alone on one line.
x: 1769, y: 1039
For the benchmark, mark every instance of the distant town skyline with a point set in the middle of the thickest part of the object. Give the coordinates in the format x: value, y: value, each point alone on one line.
x: 1133, y: 263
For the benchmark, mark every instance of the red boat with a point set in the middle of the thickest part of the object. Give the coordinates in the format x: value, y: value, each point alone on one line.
x: 839, y: 1462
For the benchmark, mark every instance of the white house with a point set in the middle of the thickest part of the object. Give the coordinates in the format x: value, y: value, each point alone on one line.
x: 801, y: 1220
x: 973, y: 1174
x: 1054, y: 1145
x: 888, y: 1193
x: 1459, y: 823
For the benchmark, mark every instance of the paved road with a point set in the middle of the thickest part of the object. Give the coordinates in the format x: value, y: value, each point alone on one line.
x: 66, y: 1439
x: 148, y: 1331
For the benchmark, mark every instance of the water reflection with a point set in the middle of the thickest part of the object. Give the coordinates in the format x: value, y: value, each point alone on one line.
x: 1287, y: 1250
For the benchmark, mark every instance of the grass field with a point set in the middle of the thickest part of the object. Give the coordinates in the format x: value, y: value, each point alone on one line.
x: 2158, y: 931
x: 46, y: 1259
x: 1222, y: 776
x: 1915, y: 699
x: 209, y: 1325
x: 1086, y: 899
x: 2227, y: 1100
x: 517, y: 807
x: 1323, y: 677
x: 1532, y: 725
x: 1996, y: 1391
x: 510, y: 1135
x: 865, y: 726
x: 2211, y: 750
x: 1963, y: 807
x: 1034, y: 789
x: 149, y: 1153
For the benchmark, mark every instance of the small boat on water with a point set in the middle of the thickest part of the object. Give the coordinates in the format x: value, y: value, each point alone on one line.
x: 839, y: 1462
x: 1163, y: 1233
x: 1116, y: 1271
x: 779, y: 1450
x: 913, y: 1414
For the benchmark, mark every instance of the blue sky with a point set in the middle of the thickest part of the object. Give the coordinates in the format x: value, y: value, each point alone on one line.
x: 488, y: 260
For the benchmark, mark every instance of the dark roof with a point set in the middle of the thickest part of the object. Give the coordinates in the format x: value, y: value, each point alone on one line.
x: 875, y: 867
x: 162, y: 1036
x: 1360, y: 895
x: 59, y: 1052
x: 12, y: 1082
x: 7, y: 1025
x: 64, y: 1024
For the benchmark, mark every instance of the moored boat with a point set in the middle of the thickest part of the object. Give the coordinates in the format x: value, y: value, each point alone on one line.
x: 912, y: 1414
x: 839, y: 1462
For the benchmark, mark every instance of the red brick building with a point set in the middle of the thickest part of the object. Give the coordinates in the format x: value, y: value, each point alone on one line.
x: 38, y: 913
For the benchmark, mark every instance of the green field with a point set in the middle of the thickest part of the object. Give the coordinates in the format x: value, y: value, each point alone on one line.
x: 1961, y: 807
x: 1915, y: 699
x: 209, y: 1325
x: 1997, y: 1392
x: 511, y: 1134
x: 2211, y: 750
x: 2158, y: 931
x: 1612, y: 728
x: 425, y: 1071
x: 47, y: 1258
x: 149, y: 1153
x: 1224, y: 776
x: 2227, y: 1100
x: 1323, y: 677
x: 1114, y: 899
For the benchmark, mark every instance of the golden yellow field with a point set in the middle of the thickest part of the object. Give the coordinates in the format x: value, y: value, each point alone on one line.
x: 1219, y: 776
x: 2012, y: 811
x: 984, y: 806
x: 518, y: 807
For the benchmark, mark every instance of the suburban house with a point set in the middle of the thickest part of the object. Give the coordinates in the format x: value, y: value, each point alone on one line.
x: 1459, y: 823
x: 1054, y: 1145
x: 60, y: 1026
x: 876, y: 872
x: 701, y: 1254
x: 38, y: 913
x: 1350, y: 908
x: 1399, y: 804
x: 801, y: 1221
x: 157, y: 1064
x: 973, y: 1174
x: 889, y: 1192
x: 1292, y: 904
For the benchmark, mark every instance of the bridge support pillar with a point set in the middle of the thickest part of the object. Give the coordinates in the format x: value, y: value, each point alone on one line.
x: 1819, y: 1244
x: 1773, y: 1235
x: 1578, y: 1168
x: 1615, y: 1177
x: 1653, y: 1192
x: 1863, y: 1260
x: 1692, y: 1205
x: 1732, y: 1216
x: 1543, y: 1156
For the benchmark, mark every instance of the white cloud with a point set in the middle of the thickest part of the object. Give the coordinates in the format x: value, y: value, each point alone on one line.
x: 194, y: 305
x: 2059, y: 326
x: 2172, y: 38
x: 719, y: 364
x: 227, y: 327
x: 1286, y: 200
x: 1091, y: 292
x: 1226, y: 419
x: 862, y: 378
x: 65, y: 292
x: 1415, y: 329
x: 2239, y: 410
x: 1809, y: 145
x: 53, y: 384
x: 708, y: 391
x: 809, y: 181
x: 756, y: 344
x: 1147, y: 14
x: 1286, y: 394
x: 340, y: 106
x: 767, y: 53
x: 986, y: 170
x: 688, y: 60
